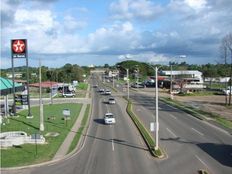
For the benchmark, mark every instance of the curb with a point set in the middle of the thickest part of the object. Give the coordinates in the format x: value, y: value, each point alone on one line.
x: 77, y: 150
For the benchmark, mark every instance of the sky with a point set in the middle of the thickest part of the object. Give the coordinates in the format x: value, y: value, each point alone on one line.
x: 98, y: 32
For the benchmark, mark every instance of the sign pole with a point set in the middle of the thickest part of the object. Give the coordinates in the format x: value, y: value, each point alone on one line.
x: 28, y: 91
x: 13, y: 79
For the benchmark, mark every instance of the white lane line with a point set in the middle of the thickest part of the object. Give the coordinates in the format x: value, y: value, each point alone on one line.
x: 202, y: 162
x: 198, y: 132
x: 171, y: 132
x: 112, y: 145
x: 218, y: 128
x: 172, y: 116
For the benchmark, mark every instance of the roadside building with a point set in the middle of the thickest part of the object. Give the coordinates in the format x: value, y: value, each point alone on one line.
x: 184, y: 81
x: 6, y: 88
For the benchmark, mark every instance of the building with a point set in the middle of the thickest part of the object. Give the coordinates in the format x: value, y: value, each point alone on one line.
x: 185, y: 80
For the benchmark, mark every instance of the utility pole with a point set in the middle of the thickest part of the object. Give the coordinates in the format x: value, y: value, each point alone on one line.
x: 41, y: 127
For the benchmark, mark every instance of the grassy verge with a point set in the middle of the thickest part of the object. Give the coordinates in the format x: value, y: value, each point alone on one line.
x: 144, y: 132
x: 26, y: 154
x: 202, y: 115
x: 82, y: 86
x: 111, y: 87
x: 80, y: 131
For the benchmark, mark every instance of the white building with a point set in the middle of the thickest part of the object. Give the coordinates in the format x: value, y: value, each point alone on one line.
x: 189, y: 80
x: 186, y: 73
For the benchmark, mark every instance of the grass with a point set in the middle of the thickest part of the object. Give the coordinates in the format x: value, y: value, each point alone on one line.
x: 82, y: 86
x: 199, y: 93
x: 26, y: 154
x: 80, y: 131
x: 200, y: 114
x: 144, y: 132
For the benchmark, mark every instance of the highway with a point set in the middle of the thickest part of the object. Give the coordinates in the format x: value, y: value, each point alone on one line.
x: 108, y: 148
x: 189, y: 144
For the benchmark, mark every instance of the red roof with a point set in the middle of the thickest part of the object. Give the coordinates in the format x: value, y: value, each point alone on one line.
x: 47, y: 84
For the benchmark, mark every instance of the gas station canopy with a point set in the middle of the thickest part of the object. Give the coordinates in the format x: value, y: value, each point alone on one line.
x: 6, y: 86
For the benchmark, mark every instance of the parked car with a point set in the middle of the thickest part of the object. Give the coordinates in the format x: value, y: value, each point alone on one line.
x: 138, y: 85
x: 107, y: 92
x: 111, y: 100
x: 68, y: 94
x: 109, y: 118
x: 227, y: 91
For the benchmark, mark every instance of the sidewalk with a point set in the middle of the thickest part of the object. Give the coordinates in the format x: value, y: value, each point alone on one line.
x: 63, y: 150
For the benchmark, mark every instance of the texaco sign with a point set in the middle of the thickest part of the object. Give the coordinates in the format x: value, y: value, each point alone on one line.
x: 19, y: 48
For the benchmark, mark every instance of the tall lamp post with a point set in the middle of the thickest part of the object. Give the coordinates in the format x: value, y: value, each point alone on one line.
x: 128, y: 89
x: 127, y: 79
x: 156, y: 110
x: 41, y: 126
x: 171, y: 94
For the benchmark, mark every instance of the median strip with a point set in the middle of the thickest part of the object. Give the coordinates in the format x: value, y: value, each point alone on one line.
x: 144, y: 132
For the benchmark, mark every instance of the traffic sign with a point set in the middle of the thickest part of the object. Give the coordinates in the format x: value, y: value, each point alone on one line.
x: 19, y: 48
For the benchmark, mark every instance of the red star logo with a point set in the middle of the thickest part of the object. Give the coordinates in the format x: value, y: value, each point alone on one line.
x: 18, y: 46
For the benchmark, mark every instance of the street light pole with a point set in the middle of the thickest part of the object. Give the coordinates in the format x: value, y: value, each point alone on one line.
x: 127, y: 72
x: 41, y: 127
x: 156, y: 110
x: 171, y: 95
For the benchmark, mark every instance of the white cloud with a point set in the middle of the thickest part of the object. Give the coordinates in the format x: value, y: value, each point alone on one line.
x: 34, y: 19
x: 149, y: 57
x: 72, y: 24
x: 196, y: 4
x: 135, y: 9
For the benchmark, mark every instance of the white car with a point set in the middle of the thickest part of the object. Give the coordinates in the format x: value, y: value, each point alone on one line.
x: 227, y: 91
x: 68, y: 94
x: 107, y: 92
x: 109, y: 118
x: 111, y: 100
x: 101, y: 91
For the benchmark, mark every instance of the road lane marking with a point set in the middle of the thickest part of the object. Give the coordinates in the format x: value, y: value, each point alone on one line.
x: 218, y: 128
x: 202, y: 162
x: 112, y: 145
x: 172, y: 116
x: 198, y: 132
x: 171, y: 132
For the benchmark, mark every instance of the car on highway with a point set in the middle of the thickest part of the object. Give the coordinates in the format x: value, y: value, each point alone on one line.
x: 107, y: 92
x: 101, y: 90
x: 69, y: 94
x: 109, y: 118
x: 111, y: 100
x: 95, y: 86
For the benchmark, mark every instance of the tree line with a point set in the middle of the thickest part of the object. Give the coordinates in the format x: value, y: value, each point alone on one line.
x: 66, y: 74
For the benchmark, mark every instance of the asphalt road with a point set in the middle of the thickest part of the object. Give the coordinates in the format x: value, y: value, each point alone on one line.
x: 189, y: 144
x: 108, y: 148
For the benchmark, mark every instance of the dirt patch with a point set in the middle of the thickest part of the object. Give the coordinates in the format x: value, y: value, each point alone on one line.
x: 211, y: 103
